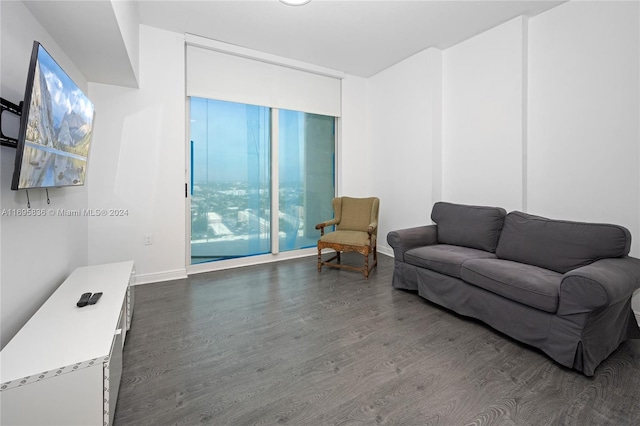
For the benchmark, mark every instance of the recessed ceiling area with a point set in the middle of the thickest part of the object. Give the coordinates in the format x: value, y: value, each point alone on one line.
x: 358, y: 37
x: 91, y: 34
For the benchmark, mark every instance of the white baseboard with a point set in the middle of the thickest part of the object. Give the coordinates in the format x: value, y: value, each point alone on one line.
x: 160, y: 276
x: 387, y: 251
x: 179, y: 274
x: 239, y: 262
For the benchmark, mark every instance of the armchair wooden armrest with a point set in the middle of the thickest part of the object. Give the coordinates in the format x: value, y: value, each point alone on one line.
x: 324, y: 224
x: 373, y: 227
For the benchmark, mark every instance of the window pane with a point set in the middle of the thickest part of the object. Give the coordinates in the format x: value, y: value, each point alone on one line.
x: 306, y: 149
x: 230, y: 164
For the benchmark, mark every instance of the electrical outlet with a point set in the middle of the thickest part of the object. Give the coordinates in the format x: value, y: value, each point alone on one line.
x: 148, y: 239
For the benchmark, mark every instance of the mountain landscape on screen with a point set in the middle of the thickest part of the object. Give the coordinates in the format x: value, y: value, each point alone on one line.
x: 58, y: 131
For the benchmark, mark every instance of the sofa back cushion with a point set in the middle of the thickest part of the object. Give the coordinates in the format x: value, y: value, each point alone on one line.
x: 468, y: 226
x: 559, y: 245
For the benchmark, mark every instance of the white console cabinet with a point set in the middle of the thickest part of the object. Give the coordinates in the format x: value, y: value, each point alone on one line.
x: 64, y: 366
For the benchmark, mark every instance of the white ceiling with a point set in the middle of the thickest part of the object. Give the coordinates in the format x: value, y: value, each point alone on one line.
x: 358, y: 37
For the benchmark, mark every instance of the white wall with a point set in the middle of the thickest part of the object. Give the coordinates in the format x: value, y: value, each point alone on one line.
x: 139, y: 154
x: 37, y: 253
x: 354, y: 158
x: 401, y: 134
x: 483, y: 80
x: 584, y: 114
x: 126, y: 13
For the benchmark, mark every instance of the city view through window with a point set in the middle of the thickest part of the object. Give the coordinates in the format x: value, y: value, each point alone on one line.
x: 231, y: 169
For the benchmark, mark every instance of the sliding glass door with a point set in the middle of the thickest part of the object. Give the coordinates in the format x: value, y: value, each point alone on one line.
x: 233, y: 173
x: 230, y: 180
x: 306, y: 150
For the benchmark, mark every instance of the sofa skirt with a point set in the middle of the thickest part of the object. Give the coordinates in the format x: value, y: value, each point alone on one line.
x: 580, y: 341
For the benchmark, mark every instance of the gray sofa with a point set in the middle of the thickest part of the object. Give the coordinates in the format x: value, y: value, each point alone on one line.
x: 563, y: 287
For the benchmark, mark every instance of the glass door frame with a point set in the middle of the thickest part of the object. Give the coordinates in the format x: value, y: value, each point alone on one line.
x: 275, y: 254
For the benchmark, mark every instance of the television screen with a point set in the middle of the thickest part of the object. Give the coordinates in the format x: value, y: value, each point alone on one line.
x: 55, y: 128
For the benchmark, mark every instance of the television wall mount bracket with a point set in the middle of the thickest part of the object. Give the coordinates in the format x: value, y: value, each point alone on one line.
x: 6, y: 105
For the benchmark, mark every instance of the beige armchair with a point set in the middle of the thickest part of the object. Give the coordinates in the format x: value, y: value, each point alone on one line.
x: 356, y: 221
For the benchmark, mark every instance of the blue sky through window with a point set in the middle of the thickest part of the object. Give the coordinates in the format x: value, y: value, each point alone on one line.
x: 241, y: 132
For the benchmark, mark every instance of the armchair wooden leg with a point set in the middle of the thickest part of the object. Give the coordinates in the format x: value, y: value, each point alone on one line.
x: 337, y: 256
x: 366, y: 266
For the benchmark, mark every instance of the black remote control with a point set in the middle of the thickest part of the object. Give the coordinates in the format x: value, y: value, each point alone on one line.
x: 94, y: 298
x: 84, y: 299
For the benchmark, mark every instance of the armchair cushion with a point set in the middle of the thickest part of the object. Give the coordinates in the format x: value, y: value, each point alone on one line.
x: 356, y: 214
x: 352, y: 238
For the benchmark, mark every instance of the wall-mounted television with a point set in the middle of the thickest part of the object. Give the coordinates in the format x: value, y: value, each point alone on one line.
x: 55, y: 128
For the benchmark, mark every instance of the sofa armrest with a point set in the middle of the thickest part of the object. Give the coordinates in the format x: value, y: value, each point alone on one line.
x: 604, y: 282
x: 406, y: 239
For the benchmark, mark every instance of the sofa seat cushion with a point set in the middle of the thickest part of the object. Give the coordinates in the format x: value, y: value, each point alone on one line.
x: 527, y: 284
x: 444, y: 258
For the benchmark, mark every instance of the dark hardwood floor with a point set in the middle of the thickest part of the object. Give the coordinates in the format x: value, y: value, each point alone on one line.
x: 283, y: 344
